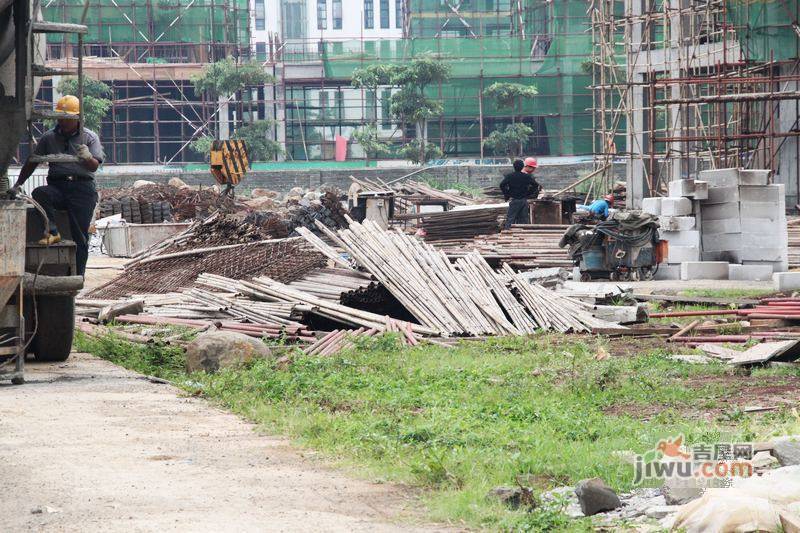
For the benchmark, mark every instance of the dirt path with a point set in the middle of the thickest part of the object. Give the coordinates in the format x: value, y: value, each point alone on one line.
x: 95, y: 447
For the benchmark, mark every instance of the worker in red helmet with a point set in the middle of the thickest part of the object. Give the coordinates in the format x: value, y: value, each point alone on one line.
x: 599, y: 208
x: 530, y: 165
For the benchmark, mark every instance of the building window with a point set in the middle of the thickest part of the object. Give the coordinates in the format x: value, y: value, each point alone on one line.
x: 398, y: 13
x: 261, y: 51
x: 369, y: 14
x: 322, y: 14
x: 259, y: 14
x: 337, y: 14
x: 384, y: 14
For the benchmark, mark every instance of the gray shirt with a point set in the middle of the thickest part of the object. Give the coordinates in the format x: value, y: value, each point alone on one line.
x: 55, y: 142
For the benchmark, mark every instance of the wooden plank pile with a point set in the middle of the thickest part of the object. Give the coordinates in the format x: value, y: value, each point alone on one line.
x: 523, y: 246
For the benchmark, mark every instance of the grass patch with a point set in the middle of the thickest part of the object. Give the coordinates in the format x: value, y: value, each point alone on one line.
x: 726, y: 293
x: 458, y: 422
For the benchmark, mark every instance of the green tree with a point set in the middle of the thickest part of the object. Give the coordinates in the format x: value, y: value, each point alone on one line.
x: 410, y: 104
x: 416, y: 153
x: 510, y: 96
x: 373, y: 146
x: 510, y: 140
x: 96, y: 100
x: 256, y: 136
x: 228, y: 78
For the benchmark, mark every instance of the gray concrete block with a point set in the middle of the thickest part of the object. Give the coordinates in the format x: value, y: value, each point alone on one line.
x: 719, y: 211
x: 761, y: 193
x: 700, y: 190
x: 762, y: 272
x: 680, y: 254
x: 724, y: 177
x: 676, y: 207
x: 681, y: 238
x: 771, y: 210
x: 719, y: 242
x: 676, y: 223
x: 761, y: 254
x: 668, y: 272
x: 763, y: 225
x: 724, y: 225
x: 704, y: 270
x: 651, y: 205
x: 764, y: 240
x: 722, y: 195
x: 777, y: 266
x: 786, y: 281
x: 754, y: 177
x: 678, y: 188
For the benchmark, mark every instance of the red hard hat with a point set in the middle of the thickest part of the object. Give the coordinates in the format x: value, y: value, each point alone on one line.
x: 531, y: 162
x: 609, y: 198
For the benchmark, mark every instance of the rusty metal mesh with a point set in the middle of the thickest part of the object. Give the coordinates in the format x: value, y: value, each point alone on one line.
x: 284, y: 261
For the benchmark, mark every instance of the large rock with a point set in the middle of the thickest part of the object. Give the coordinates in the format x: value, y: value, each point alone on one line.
x: 263, y: 193
x: 142, y: 183
x: 787, y: 450
x: 595, y: 496
x: 680, y: 491
x: 217, y: 350
x: 177, y: 182
x: 261, y: 203
x: 513, y: 497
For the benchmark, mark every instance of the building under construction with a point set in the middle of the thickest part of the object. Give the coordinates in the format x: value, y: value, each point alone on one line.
x: 682, y: 86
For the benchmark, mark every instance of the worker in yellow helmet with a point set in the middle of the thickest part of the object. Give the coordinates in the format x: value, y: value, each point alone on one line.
x: 70, y: 184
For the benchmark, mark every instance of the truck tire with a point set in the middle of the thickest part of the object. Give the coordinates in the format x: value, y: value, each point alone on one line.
x: 53, y: 340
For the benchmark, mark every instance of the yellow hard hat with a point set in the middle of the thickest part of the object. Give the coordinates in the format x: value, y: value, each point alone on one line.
x: 68, y: 104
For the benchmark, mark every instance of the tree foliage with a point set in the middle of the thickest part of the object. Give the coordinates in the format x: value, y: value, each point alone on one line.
x: 410, y: 104
x: 226, y: 77
x: 416, y: 154
x: 508, y: 95
x: 510, y: 140
x: 96, y: 99
x: 256, y: 136
x: 367, y: 138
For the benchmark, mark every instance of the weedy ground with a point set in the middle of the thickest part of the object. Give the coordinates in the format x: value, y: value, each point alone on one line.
x: 544, y: 411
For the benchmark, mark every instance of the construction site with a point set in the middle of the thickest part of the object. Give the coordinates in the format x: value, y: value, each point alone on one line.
x: 504, y: 265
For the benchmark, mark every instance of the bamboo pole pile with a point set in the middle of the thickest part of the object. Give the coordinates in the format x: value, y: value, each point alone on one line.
x: 464, y: 224
x: 270, y: 290
x: 341, y: 339
x: 323, y: 247
x: 554, y: 311
x: 333, y: 283
x: 421, y: 278
x: 298, y: 333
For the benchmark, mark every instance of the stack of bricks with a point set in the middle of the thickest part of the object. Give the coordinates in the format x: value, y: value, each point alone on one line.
x: 729, y: 224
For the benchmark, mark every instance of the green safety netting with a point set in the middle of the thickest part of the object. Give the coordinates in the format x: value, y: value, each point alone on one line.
x: 560, y: 74
x: 766, y: 28
x: 198, y: 21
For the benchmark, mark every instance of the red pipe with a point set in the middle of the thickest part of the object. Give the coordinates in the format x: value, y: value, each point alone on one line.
x: 711, y: 312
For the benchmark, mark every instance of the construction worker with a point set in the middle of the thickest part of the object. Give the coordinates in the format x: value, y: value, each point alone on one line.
x: 70, y: 185
x: 599, y: 208
x: 517, y: 187
x: 531, y: 164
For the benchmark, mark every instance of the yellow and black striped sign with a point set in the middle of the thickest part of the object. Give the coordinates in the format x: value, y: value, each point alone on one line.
x: 229, y: 161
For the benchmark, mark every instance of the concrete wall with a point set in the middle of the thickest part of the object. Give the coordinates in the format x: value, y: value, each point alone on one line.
x: 552, y: 177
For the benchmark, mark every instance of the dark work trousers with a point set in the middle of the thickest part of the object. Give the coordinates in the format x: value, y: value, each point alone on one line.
x: 79, y: 199
x: 518, y: 212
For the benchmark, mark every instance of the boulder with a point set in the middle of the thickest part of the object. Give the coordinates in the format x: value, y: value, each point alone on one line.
x: 261, y: 203
x: 513, y: 497
x: 595, y: 496
x: 217, y: 350
x: 263, y: 193
x: 727, y: 510
x: 787, y: 450
x: 142, y: 183
x: 679, y: 491
x: 177, y: 182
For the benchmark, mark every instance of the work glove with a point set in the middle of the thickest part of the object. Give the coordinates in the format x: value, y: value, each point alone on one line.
x: 83, y: 152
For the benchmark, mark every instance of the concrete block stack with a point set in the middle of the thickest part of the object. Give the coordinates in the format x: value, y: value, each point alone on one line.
x: 728, y: 217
